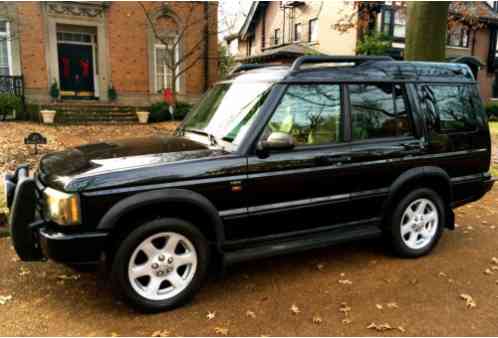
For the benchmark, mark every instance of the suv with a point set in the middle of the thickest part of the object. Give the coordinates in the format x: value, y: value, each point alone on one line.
x: 274, y: 159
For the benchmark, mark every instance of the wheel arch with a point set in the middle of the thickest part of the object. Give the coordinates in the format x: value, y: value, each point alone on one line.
x: 430, y: 177
x: 178, y: 203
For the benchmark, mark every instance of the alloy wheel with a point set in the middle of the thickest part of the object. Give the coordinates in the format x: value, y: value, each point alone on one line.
x: 419, y: 223
x: 162, y: 266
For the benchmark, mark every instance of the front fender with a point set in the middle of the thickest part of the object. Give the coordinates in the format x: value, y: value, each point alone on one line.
x: 137, y: 201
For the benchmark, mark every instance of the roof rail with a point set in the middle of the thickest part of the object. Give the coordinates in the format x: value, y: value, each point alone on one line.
x: 249, y: 66
x: 296, y: 66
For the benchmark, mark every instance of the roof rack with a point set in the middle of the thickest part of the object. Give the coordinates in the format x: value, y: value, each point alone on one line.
x: 250, y: 66
x: 296, y: 66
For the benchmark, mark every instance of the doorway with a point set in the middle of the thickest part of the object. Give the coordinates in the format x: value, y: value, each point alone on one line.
x: 76, y: 54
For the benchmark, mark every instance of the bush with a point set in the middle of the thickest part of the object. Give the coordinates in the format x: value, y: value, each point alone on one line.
x: 159, y: 112
x: 8, y: 104
x: 374, y: 44
x: 492, y: 111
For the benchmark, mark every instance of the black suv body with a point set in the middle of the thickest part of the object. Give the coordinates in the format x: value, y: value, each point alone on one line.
x: 274, y: 159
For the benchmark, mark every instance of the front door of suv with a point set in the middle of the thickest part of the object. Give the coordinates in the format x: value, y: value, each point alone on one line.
x: 304, y: 188
x: 384, y: 143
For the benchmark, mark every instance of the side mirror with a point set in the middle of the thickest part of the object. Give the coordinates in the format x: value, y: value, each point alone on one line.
x: 276, y: 141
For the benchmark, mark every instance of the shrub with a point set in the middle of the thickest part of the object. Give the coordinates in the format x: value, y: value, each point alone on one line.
x: 8, y: 104
x: 492, y: 111
x: 54, y: 91
x: 159, y: 112
x: 374, y: 44
x: 112, y: 93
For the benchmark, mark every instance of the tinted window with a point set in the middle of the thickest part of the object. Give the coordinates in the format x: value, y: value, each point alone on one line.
x: 310, y: 113
x: 378, y: 110
x: 451, y: 108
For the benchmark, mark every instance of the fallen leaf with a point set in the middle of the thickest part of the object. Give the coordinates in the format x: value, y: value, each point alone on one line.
x: 494, y: 260
x: 401, y: 329
x: 346, y: 321
x: 380, y: 327
x: 250, y: 314
x: 211, y: 315
x: 160, y: 333
x: 221, y: 330
x: 5, y: 299
x: 469, y: 301
x: 488, y: 272
x: 114, y: 334
x: 320, y: 267
x: 294, y: 309
x: 345, y: 282
x: 379, y: 306
x: 442, y: 274
x: 317, y: 320
x: 392, y: 305
x: 344, y: 308
x: 68, y: 277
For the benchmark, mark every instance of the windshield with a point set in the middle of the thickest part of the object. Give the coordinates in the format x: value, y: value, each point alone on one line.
x: 227, y: 111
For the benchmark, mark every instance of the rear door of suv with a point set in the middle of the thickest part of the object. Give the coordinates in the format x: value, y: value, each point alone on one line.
x: 386, y: 137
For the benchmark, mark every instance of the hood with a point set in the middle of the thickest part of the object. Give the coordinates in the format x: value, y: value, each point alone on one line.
x: 62, y: 170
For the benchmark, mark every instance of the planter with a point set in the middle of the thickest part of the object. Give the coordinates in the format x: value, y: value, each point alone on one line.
x: 143, y: 116
x: 48, y: 116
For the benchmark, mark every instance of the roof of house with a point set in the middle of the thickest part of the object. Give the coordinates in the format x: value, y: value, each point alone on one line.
x: 281, y: 52
x: 474, y: 9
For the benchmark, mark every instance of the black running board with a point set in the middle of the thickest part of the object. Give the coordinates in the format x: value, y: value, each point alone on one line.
x: 305, y: 242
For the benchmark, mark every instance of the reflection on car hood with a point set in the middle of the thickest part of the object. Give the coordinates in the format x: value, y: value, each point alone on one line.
x: 62, y: 169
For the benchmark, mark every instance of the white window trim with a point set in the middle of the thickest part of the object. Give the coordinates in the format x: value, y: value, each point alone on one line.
x: 6, y: 35
x: 177, y: 56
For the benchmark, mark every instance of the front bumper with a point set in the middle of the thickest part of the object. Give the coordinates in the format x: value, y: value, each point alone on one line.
x: 35, y: 239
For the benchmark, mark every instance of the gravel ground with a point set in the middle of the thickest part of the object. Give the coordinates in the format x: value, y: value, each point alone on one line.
x: 354, y: 289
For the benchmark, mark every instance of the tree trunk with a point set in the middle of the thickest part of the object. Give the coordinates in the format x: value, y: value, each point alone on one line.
x: 426, y: 30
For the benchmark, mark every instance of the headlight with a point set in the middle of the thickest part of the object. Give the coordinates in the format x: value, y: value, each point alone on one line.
x: 62, y: 208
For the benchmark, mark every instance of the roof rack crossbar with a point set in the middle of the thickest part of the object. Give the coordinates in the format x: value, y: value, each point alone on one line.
x: 296, y: 66
x: 250, y: 66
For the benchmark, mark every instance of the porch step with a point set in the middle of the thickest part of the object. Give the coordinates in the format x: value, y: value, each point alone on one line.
x: 93, y: 112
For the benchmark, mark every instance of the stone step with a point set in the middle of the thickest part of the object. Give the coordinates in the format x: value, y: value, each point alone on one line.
x: 81, y: 112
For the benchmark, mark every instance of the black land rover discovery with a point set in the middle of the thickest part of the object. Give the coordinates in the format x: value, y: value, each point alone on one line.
x: 273, y: 160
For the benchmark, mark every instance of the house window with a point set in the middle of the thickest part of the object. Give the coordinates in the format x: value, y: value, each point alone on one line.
x: 313, y: 30
x: 276, y: 37
x: 163, y: 66
x: 458, y: 37
x: 298, y: 31
x: 393, y: 22
x: 5, y: 49
x: 399, y: 24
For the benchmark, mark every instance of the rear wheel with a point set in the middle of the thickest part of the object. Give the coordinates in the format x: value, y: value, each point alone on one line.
x: 417, y: 223
x: 161, y: 264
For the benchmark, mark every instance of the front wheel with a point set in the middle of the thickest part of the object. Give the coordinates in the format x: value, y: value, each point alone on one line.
x: 417, y: 223
x: 161, y: 264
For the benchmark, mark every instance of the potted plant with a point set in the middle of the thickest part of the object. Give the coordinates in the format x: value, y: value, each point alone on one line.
x: 48, y: 116
x: 112, y: 93
x: 54, y: 91
x: 143, y: 116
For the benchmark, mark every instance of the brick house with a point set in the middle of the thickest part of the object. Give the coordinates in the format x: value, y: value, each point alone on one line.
x: 87, y: 47
x: 280, y: 31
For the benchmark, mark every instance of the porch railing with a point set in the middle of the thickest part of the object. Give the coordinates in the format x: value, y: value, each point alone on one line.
x: 13, y: 85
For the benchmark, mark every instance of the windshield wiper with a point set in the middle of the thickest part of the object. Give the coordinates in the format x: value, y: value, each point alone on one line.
x: 212, y: 139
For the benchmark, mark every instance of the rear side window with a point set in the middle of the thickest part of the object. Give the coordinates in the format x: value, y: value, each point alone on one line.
x: 451, y: 108
x: 379, y: 111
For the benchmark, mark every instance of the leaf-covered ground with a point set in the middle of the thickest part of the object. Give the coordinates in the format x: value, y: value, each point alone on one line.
x: 355, y: 289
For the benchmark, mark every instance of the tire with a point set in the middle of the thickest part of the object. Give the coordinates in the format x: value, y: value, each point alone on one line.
x: 414, y: 233
x: 143, y: 280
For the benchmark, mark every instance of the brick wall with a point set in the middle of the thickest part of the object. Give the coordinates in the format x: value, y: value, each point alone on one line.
x: 31, y: 35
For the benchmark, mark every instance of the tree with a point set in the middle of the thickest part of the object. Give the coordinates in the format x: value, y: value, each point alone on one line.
x: 226, y: 61
x: 185, y: 39
x: 426, y: 30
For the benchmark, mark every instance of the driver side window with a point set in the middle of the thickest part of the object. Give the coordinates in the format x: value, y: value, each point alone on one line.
x: 311, y: 114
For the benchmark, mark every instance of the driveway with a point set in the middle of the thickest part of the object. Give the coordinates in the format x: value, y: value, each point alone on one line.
x: 352, y: 289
